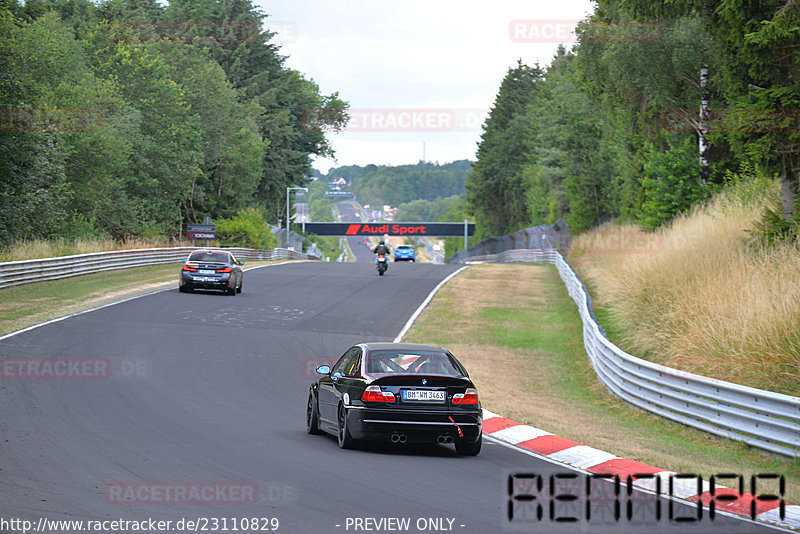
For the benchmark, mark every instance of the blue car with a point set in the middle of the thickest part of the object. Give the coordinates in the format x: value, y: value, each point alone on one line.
x: 404, y: 253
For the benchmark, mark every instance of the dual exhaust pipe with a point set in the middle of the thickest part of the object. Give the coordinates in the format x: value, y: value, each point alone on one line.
x: 399, y: 438
x: 402, y: 438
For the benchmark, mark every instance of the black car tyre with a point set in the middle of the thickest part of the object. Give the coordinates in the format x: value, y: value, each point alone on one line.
x: 466, y: 448
x: 312, y: 415
x: 183, y: 289
x: 239, y: 289
x: 343, y: 434
x: 231, y: 291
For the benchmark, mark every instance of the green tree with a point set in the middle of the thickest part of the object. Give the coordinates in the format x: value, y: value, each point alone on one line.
x: 395, y: 185
x: 167, y: 150
x: 232, y: 145
x: 245, y: 229
x: 35, y: 192
x: 294, y: 117
x: 427, y: 210
x: 495, y: 192
x: 763, y: 88
x: 670, y: 184
x: 753, y: 45
x: 566, y: 174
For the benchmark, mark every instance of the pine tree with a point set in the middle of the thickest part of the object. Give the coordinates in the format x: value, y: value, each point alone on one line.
x: 495, y: 186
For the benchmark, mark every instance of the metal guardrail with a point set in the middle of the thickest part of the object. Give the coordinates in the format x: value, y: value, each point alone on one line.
x: 762, y: 419
x: 14, y: 273
x: 516, y: 256
x: 544, y: 236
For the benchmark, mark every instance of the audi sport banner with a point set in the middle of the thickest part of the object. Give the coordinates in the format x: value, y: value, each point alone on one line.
x: 383, y: 228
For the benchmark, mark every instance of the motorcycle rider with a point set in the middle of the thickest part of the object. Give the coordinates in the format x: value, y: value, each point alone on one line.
x: 384, y: 249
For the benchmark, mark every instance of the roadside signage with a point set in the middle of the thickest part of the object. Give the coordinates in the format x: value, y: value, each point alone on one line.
x: 394, y: 229
x: 201, y: 231
x: 339, y: 193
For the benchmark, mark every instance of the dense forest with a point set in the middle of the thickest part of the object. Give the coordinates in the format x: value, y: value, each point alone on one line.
x: 131, y: 117
x: 396, y: 185
x: 613, y: 129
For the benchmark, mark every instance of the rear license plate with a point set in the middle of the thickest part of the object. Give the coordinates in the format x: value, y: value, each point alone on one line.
x: 204, y: 279
x: 423, y: 395
x: 203, y: 271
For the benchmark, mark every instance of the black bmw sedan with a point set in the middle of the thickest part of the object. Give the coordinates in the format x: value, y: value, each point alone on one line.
x: 401, y: 392
x: 211, y: 269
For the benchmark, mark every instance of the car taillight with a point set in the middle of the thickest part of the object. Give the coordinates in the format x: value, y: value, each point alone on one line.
x: 187, y: 268
x: 225, y: 270
x: 375, y: 394
x: 468, y: 397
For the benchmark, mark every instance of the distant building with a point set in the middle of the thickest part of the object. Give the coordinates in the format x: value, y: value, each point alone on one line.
x: 337, y: 183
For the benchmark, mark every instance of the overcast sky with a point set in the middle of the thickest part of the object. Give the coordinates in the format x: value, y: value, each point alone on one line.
x: 420, y: 75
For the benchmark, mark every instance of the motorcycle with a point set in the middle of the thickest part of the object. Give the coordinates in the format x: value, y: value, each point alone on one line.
x: 382, y: 264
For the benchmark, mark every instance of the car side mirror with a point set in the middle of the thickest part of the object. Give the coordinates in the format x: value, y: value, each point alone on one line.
x: 240, y: 262
x: 324, y: 369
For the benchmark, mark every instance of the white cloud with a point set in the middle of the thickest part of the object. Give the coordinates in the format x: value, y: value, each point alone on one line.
x: 411, y: 55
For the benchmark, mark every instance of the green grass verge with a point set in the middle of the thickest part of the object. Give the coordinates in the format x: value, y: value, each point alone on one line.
x: 30, y: 304
x: 552, y: 383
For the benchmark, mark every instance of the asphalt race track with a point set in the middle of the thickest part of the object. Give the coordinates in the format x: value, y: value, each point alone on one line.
x: 210, y: 390
x: 361, y: 252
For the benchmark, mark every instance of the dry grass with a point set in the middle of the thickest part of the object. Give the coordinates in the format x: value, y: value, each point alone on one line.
x: 50, y: 248
x: 698, y: 296
x: 485, y: 309
x: 519, y: 334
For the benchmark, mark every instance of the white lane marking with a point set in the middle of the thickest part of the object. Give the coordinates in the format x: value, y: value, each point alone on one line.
x: 519, y: 433
x: 57, y: 319
x: 685, y: 487
x: 489, y: 415
x: 650, y: 483
x: 424, y: 303
x: 791, y: 519
x: 582, y: 456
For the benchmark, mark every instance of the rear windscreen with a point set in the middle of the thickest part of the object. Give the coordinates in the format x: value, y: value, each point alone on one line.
x: 418, y: 362
x: 210, y: 257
